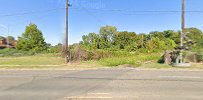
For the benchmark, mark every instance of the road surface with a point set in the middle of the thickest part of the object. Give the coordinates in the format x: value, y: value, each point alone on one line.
x: 101, y: 84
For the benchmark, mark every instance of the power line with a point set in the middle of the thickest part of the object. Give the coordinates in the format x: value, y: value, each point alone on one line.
x: 136, y: 12
x: 142, y: 11
x: 31, y: 12
x: 120, y: 11
x: 96, y: 18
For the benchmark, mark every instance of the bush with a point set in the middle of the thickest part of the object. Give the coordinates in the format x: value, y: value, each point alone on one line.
x: 134, y: 59
x: 200, y: 57
x: 14, y: 52
x: 191, y: 57
x: 161, y: 60
x: 79, y: 53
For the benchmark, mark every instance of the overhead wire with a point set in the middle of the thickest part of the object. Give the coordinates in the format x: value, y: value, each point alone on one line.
x: 31, y: 12
x: 121, y: 11
x: 96, y: 18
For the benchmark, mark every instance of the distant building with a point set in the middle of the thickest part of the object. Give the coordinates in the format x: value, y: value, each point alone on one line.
x: 2, y: 41
x: 4, y: 44
x: 14, y: 43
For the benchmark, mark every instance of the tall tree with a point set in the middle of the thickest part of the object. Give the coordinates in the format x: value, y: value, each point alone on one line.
x: 94, y: 40
x: 175, y: 36
x: 194, y: 38
x: 194, y: 34
x: 32, y: 39
x: 1, y: 37
x: 107, y: 36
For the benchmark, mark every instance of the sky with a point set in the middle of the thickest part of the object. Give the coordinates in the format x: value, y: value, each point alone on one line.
x: 86, y: 16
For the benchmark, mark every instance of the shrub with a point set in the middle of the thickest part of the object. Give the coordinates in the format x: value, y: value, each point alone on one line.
x: 192, y: 57
x: 131, y: 60
x: 78, y: 53
x: 200, y: 57
x: 161, y: 60
x: 14, y: 52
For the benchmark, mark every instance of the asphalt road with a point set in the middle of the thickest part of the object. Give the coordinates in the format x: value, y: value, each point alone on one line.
x: 101, y: 84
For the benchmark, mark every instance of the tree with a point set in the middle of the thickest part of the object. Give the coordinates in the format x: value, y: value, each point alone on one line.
x: 55, y: 49
x: 32, y: 39
x: 155, y: 44
x: 194, y: 38
x: 107, y: 36
x: 157, y: 34
x: 194, y: 34
x: 141, y: 40
x: 94, y: 40
x: 91, y: 41
x: 126, y: 40
x: 175, y: 36
x: 169, y: 44
x: 1, y: 37
x: 85, y: 39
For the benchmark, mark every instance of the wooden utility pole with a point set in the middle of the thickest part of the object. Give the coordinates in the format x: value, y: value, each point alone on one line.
x: 183, y: 16
x: 66, y: 51
x: 183, y: 31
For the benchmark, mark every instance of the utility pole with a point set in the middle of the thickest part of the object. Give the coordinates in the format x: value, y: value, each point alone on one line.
x: 66, y: 52
x: 183, y: 31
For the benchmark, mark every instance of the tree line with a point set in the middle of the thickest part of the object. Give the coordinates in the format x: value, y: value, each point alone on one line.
x: 110, y: 38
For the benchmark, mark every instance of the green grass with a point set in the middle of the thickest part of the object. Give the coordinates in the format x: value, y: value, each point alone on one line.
x: 52, y: 61
x: 156, y: 66
x: 164, y: 66
x: 42, y: 59
x: 13, y: 58
x: 135, y: 60
x: 14, y: 53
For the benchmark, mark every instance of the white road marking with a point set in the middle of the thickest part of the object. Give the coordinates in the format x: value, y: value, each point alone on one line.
x: 185, y: 77
x: 90, y: 97
x: 99, y: 93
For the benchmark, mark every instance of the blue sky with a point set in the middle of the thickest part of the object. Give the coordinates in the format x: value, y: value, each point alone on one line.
x: 83, y: 19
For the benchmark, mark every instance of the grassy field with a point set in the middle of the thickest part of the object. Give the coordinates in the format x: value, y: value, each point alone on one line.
x: 52, y: 61
x: 41, y: 59
x: 135, y: 60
